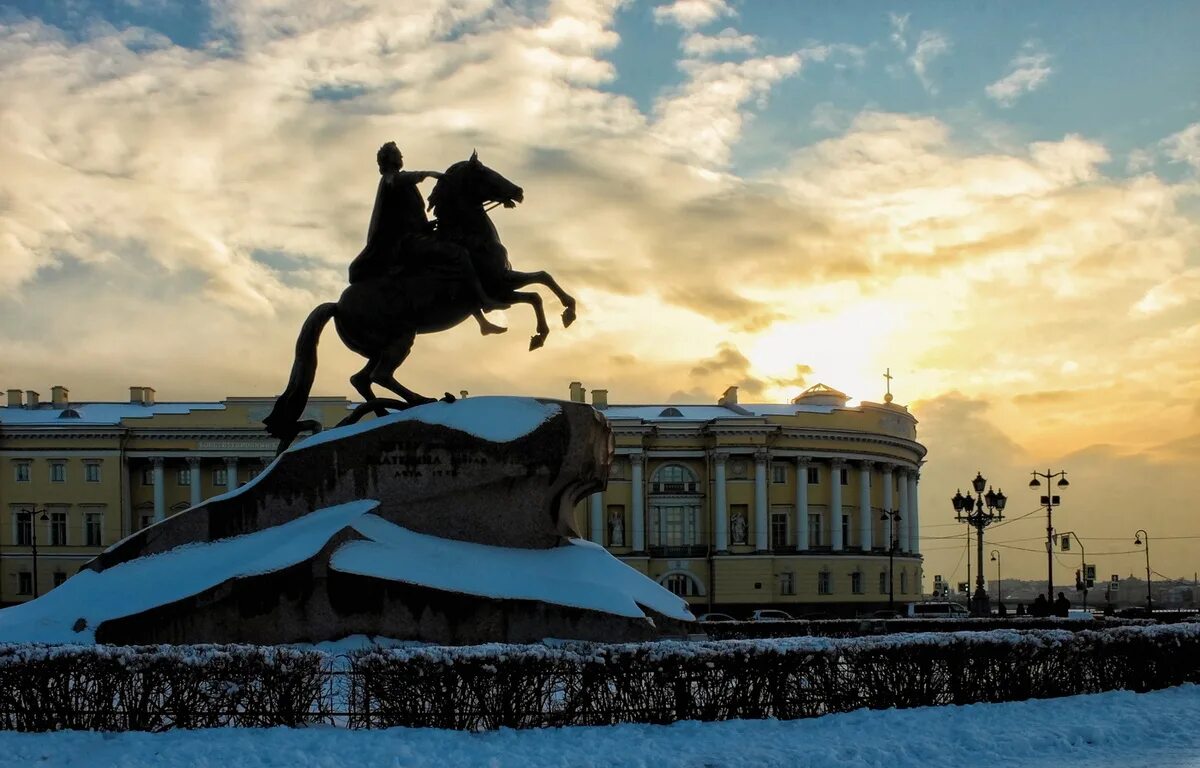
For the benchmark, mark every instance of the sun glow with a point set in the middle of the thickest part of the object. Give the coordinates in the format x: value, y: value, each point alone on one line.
x: 847, y: 349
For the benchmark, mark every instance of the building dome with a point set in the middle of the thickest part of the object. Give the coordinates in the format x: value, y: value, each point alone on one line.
x: 821, y: 394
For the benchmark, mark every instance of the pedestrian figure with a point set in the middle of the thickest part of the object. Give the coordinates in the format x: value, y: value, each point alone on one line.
x: 1040, y: 608
x: 1062, y: 606
x: 1020, y: 609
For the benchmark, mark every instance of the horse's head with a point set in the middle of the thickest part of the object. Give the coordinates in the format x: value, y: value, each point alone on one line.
x: 470, y: 183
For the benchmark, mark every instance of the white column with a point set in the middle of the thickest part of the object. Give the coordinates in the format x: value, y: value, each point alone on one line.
x: 914, y: 515
x: 596, y: 501
x: 160, y: 490
x: 762, y: 532
x: 128, y: 526
x: 903, y: 489
x: 889, y: 526
x: 865, y: 521
x: 231, y: 475
x: 802, y: 542
x: 835, y: 505
x: 720, y: 506
x: 638, y: 510
x: 194, y: 479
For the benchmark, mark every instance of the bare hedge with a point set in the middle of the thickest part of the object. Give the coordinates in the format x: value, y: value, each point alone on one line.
x: 156, y: 688
x: 489, y: 687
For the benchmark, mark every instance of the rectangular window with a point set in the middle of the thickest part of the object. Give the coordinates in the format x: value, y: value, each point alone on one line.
x: 856, y: 585
x: 59, y: 578
x: 220, y: 477
x: 147, y: 519
x: 779, y: 529
x: 883, y: 585
x: 24, y: 583
x: 58, y: 529
x: 845, y: 530
x: 904, y: 582
x: 814, y: 476
x: 778, y: 473
x: 845, y: 476
x: 148, y: 476
x: 787, y: 583
x: 24, y: 528
x: 814, y: 530
x: 824, y: 583
x: 184, y: 477
x: 22, y: 471
x: 91, y: 472
x: 58, y: 472
x: 93, y: 527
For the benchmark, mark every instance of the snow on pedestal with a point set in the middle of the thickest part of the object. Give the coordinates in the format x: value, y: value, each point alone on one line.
x: 445, y: 523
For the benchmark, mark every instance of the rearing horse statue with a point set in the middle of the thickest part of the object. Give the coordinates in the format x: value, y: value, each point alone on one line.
x: 380, y: 318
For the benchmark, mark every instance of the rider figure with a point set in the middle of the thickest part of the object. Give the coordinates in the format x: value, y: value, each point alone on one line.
x: 399, y: 231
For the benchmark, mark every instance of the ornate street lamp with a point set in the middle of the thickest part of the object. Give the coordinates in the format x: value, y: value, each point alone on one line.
x: 1049, y: 502
x: 979, y: 512
x: 1137, y: 541
x: 893, y: 517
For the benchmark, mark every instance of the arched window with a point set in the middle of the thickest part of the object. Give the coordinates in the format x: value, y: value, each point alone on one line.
x: 674, y: 478
x: 681, y: 583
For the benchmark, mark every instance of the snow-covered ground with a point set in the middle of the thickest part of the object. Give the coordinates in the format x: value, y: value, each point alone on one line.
x: 1107, y: 730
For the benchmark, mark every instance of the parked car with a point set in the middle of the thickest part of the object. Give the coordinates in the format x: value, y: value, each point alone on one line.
x: 709, y: 617
x: 770, y: 614
x: 936, y: 610
x: 885, y: 614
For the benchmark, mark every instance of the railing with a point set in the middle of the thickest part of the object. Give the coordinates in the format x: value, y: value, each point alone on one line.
x: 690, y: 550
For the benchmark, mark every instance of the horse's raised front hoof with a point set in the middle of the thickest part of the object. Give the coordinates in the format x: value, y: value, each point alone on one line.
x: 536, y: 342
x: 568, y: 316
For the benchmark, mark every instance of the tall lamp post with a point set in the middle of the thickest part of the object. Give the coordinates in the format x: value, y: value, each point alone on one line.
x: 33, y: 521
x: 972, y: 511
x: 1137, y: 540
x: 996, y: 560
x: 893, y: 517
x: 1049, y: 502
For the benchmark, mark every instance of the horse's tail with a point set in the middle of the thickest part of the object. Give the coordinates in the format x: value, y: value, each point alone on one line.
x: 283, y: 420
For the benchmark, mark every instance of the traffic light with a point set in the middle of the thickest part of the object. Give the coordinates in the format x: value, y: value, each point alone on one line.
x: 1078, y: 582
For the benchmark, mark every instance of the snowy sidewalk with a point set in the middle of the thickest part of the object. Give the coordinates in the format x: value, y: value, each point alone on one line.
x: 1109, y: 730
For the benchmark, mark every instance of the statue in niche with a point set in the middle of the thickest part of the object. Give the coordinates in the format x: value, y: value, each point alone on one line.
x: 415, y: 277
x: 616, y: 530
x: 737, y: 527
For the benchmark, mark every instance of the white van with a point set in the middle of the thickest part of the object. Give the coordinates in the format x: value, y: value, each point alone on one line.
x: 936, y: 610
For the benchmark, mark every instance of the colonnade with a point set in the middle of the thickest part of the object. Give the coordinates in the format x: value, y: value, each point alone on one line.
x: 899, y: 493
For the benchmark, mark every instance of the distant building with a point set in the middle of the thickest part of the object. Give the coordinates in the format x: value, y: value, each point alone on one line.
x: 733, y: 506
x: 736, y: 506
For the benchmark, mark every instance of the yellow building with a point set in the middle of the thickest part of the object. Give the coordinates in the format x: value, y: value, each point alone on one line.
x: 739, y: 506
x: 735, y: 506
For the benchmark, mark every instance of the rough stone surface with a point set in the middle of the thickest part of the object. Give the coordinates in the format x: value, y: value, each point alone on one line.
x: 427, y: 478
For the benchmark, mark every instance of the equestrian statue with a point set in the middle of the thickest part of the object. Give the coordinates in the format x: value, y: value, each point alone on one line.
x: 416, y: 276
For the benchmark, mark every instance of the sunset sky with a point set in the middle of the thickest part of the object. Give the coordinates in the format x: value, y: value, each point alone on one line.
x: 999, y: 202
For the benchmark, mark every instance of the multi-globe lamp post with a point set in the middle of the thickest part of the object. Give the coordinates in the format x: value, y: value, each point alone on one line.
x: 1049, y: 502
x: 979, y: 513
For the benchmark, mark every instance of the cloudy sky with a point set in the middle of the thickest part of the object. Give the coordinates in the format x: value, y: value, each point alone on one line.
x: 998, y: 202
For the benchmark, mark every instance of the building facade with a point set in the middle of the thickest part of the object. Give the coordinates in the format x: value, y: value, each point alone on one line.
x: 809, y: 507
x: 734, y: 507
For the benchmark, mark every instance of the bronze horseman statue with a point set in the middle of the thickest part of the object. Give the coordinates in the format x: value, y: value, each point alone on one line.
x: 415, y: 276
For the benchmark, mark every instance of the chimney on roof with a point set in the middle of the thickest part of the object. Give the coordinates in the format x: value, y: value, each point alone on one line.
x: 14, y: 398
x: 578, y: 392
x: 729, y: 398
x: 147, y: 395
x: 31, y: 399
x: 599, y: 399
x: 135, y: 395
x: 59, y: 396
